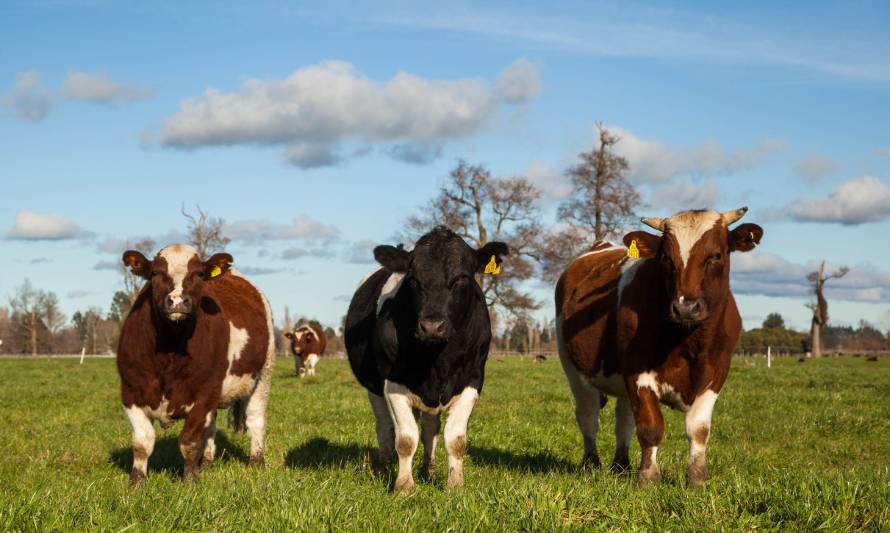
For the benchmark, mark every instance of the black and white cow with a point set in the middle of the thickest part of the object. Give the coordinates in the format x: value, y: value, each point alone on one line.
x: 417, y: 335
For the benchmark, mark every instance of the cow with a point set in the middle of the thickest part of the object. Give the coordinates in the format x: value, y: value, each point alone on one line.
x: 198, y: 337
x: 417, y: 335
x: 653, y: 322
x: 307, y: 343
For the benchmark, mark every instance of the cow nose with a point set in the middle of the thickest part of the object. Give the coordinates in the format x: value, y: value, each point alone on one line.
x: 687, y: 308
x: 433, y: 328
x: 178, y: 303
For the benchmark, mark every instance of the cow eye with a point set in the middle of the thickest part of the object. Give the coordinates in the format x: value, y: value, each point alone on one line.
x: 716, y: 257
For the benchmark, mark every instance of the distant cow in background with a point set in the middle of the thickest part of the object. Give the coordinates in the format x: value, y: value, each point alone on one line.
x: 307, y: 343
x: 417, y: 334
x: 653, y: 322
x: 198, y: 337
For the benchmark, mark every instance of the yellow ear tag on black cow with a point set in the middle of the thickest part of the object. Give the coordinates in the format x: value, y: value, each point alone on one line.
x: 215, y: 271
x: 633, y: 252
x: 492, y: 267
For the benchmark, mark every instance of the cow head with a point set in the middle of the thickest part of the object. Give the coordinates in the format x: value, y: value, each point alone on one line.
x: 177, y: 277
x: 300, y: 339
x: 693, y: 256
x: 439, y: 278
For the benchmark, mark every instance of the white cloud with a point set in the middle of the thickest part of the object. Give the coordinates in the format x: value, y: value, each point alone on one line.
x: 301, y: 228
x: 316, y: 109
x: 685, y: 195
x: 28, y: 99
x: 107, y: 265
x: 554, y: 185
x: 857, y: 201
x: 883, y: 152
x: 360, y: 252
x: 770, y: 275
x: 815, y: 168
x: 519, y: 82
x: 259, y: 271
x: 97, y: 88
x: 34, y: 226
x: 416, y: 153
x: 653, y: 161
x: 297, y: 252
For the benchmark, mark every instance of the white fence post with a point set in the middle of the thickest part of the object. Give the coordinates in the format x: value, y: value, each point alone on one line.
x: 83, y: 352
x: 769, y: 356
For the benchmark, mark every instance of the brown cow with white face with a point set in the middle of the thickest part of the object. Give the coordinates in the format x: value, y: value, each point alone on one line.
x: 655, y: 329
x: 307, y: 343
x: 198, y: 337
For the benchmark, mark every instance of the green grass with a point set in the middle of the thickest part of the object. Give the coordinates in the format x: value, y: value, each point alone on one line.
x: 796, y: 447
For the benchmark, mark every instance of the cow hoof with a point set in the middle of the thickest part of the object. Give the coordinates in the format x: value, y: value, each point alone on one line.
x: 650, y: 478
x: 403, y: 486
x: 137, y: 477
x: 620, y: 466
x: 696, y: 476
x: 591, y: 459
x: 190, y: 475
x: 205, y: 463
x: 257, y: 460
x: 429, y: 468
x: 455, y: 480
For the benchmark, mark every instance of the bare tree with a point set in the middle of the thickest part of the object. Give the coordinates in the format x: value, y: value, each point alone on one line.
x: 480, y: 209
x: 36, y: 315
x: 601, y: 204
x: 133, y: 283
x: 205, y: 233
x: 820, y: 307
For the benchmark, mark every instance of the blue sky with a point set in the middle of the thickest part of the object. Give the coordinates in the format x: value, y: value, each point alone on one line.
x: 315, y: 131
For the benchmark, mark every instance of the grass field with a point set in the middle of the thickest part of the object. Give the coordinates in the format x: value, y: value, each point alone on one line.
x: 796, y: 447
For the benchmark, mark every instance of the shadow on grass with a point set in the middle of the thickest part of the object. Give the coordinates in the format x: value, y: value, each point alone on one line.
x: 320, y: 452
x: 167, y: 458
x: 526, y: 462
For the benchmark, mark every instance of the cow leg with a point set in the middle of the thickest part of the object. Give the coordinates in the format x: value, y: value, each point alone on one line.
x: 256, y: 417
x: 698, y: 430
x: 298, y: 366
x: 210, y: 443
x: 587, y: 414
x: 456, y: 435
x: 143, y: 442
x: 624, y: 431
x: 385, y: 430
x: 406, y: 433
x: 192, y: 440
x: 650, y: 427
x: 429, y: 434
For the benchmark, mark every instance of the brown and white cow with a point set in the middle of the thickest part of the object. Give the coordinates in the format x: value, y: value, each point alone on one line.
x: 655, y: 329
x: 307, y: 343
x: 198, y: 337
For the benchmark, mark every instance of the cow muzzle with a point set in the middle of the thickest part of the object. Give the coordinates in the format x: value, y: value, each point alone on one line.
x: 178, y: 306
x: 432, y: 330
x: 688, y: 311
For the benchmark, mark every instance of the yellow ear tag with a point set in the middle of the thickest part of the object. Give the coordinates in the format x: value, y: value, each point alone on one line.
x: 492, y: 267
x: 633, y: 252
x: 216, y: 271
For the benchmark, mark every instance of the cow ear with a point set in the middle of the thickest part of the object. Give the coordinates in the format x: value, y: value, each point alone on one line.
x: 392, y: 258
x: 137, y: 263
x: 646, y: 243
x: 491, y: 250
x: 217, y: 264
x: 745, y: 237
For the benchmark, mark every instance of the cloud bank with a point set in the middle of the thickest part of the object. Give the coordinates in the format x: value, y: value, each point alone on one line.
x: 857, y: 201
x: 98, y: 89
x: 33, y: 226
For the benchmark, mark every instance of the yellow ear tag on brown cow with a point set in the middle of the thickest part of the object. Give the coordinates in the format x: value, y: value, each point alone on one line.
x: 492, y: 267
x: 215, y: 271
x: 633, y: 252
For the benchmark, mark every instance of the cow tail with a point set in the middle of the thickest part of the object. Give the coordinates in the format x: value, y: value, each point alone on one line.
x: 238, y: 415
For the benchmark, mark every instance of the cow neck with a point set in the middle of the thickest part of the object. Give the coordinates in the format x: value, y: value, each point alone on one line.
x: 172, y: 337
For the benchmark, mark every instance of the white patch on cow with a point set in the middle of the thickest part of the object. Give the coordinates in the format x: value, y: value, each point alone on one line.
x: 384, y: 427
x: 143, y: 436
x: 671, y: 397
x: 688, y: 227
x: 177, y: 257
x: 456, y: 433
x: 610, y: 247
x: 647, y: 379
x: 160, y: 413
x: 697, y: 417
x: 366, y: 277
x: 400, y: 402
x: 415, y: 401
x: 390, y: 288
x: 310, y: 363
x: 628, y: 272
x: 235, y: 387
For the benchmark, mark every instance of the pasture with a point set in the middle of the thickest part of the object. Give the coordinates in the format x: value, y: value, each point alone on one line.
x: 796, y: 447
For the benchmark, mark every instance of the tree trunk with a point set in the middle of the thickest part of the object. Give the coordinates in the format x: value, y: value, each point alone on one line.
x: 817, y: 339
x: 33, y: 331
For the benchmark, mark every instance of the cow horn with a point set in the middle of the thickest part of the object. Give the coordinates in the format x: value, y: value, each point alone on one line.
x: 730, y: 217
x: 654, y: 222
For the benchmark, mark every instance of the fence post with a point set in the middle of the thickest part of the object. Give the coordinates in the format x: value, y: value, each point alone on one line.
x: 769, y: 356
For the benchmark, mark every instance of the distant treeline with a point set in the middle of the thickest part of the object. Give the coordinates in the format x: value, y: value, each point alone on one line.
x: 835, y: 339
